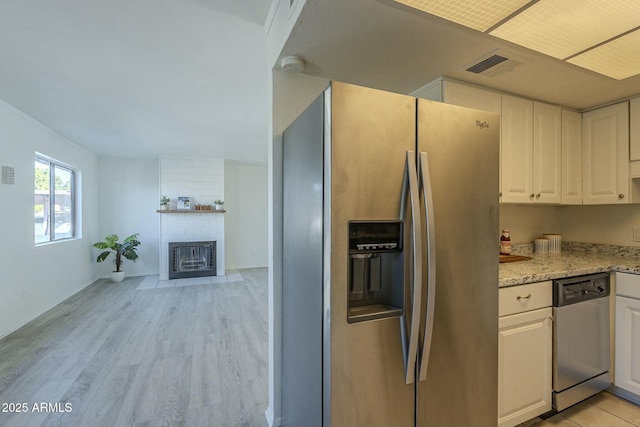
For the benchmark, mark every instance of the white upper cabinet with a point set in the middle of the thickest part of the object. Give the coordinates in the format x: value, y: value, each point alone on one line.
x: 634, y: 148
x: 571, y: 158
x: 531, y: 151
x: 605, y: 134
x: 553, y: 156
x: 634, y: 129
x: 547, y: 153
x: 516, y: 150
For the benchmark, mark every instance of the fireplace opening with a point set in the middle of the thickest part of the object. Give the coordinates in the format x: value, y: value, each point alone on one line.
x: 192, y: 259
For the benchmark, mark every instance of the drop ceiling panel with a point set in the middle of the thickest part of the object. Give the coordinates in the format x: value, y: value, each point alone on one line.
x: 563, y: 28
x: 484, y: 14
x: 618, y: 59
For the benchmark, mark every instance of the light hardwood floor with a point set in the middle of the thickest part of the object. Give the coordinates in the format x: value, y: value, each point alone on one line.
x: 602, y: 410
x: 176, y: 356
x: 183, y: 356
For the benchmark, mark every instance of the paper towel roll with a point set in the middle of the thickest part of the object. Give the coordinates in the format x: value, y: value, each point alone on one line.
x: 541, y: 245
x: 555, y: 242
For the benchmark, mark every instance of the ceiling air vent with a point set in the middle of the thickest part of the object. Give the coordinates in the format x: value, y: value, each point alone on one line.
x: 483, y: 66
x: 494, y: 63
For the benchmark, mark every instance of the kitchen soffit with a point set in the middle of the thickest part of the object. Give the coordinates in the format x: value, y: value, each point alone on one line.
x: 599, y: 35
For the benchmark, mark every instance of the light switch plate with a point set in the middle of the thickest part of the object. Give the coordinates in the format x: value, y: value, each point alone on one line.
x: 636, y: 234
x: 8, y: 175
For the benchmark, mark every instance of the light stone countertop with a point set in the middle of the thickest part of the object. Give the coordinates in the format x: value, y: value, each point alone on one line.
x: 565, y: 264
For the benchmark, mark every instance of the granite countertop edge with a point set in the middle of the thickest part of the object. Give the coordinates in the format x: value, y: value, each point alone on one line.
x: 574, y: 260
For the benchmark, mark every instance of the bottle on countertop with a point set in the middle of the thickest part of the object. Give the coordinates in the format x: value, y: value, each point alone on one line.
x: 505, y: 243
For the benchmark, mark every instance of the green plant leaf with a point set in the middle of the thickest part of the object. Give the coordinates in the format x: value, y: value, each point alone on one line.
x: 126, y: 249
x: 133, y: 239
x: 103, y: 256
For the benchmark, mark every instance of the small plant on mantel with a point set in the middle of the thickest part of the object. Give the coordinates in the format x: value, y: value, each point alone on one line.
x: 164, y: 203
x: 126, y: 249
x: 219, y: 204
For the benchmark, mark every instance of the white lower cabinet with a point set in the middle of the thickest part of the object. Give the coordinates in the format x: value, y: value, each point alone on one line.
x: 524, y: 361
x: 627, y: 332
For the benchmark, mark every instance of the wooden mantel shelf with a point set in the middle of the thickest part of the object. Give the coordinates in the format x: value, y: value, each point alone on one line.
x: 190, y: 211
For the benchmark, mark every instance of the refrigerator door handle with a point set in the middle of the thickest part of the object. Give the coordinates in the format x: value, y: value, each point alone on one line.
x: 425, y: 179
x: 410, y: 343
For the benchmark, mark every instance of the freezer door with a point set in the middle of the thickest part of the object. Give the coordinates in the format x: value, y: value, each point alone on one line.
x: 462, y: 147
x: 371, y: 132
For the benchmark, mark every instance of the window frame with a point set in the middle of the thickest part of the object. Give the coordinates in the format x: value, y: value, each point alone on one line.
x: 53, y: 164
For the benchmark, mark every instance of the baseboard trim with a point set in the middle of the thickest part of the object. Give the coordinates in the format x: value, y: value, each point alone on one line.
x: 271, y: 419
x: 624, y: 394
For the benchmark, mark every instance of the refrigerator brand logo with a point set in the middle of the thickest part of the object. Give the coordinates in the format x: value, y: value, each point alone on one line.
x: 482, y: 125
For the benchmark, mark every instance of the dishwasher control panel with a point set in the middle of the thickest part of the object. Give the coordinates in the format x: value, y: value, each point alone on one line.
x: 582, y: 288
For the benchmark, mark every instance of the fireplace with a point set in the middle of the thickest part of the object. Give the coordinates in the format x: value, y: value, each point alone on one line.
x: 192, y: 259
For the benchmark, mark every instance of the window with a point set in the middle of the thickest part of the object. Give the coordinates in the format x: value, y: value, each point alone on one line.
x: 54, y: 207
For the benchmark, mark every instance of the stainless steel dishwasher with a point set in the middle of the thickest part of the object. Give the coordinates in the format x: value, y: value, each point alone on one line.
x: 581, y: 347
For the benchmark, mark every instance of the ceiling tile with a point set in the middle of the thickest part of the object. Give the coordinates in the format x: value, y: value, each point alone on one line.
x: 562, y: 28
x: 618, y: 59
x: 479, y: 15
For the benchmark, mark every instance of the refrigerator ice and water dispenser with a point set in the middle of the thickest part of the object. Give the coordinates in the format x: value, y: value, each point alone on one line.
x: 376, y: 270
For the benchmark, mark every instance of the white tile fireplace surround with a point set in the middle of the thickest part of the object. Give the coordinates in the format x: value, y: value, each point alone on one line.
x: 202, y: 180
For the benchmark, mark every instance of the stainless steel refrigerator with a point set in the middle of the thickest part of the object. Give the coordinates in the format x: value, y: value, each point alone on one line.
x: 390, y: 262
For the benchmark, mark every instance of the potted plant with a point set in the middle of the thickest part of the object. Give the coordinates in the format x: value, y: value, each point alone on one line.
x: 164, y: 203
x: 125, y: 249
x: 219, y: 204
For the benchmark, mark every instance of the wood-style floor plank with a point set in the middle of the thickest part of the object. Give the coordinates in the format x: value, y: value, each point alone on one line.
x: 628, y: 411
x: 179, y: 356
x: 601, y: 410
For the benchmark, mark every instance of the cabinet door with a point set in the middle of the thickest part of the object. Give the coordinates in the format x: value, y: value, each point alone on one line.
x: 516, y: 150
x: 634, y: 129
x: 571, y: 158
x: 627, y: 354
x: 606, y: 155
x: 547, y: 153
x: 524, y: 366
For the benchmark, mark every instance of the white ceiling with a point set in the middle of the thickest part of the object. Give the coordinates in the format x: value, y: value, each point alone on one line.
x: 386, y: 45
x: 141, y: 78
x: 147, y: 78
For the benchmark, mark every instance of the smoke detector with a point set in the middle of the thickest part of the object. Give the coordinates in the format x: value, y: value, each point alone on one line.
x: 292, y: 64
x: 494, y: 63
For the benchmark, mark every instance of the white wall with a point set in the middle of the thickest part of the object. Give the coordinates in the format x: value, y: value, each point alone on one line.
x: 129, y: 197
x: 245, y: 225
x: 282, y: 17
x: 612, y: 224
x: 607, y: 224
x: 525, y: 222
x: 34, y: 279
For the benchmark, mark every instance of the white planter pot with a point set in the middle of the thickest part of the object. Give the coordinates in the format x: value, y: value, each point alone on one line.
x: 164, y: 207
x: 117, y: 276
